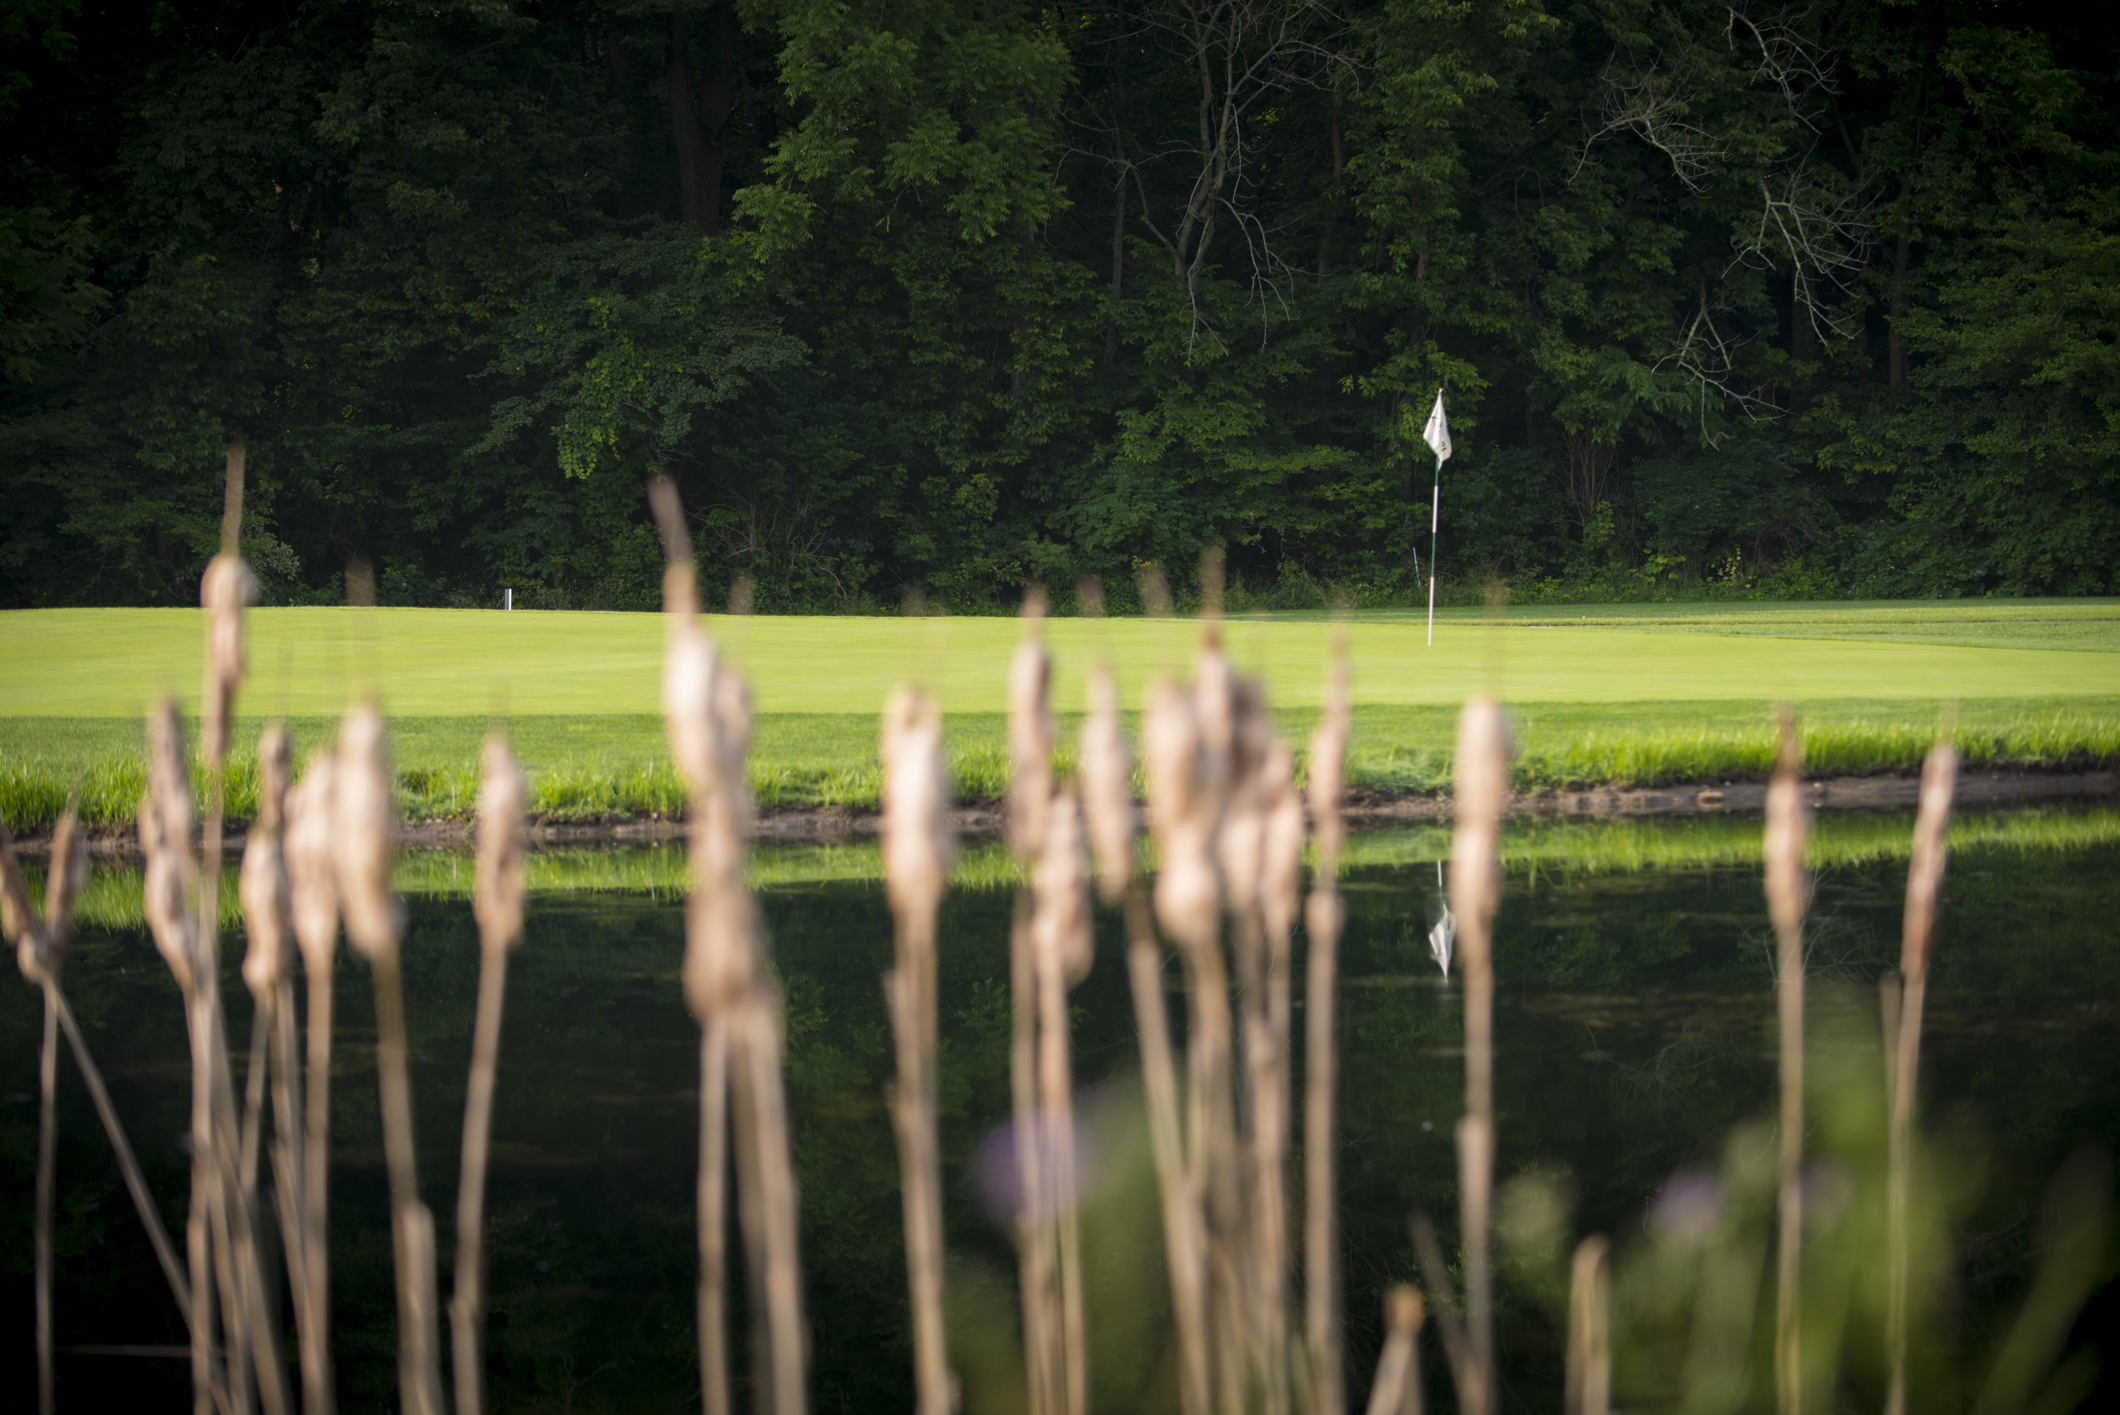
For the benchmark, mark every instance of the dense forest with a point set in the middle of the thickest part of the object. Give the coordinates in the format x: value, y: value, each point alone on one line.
x: 1726, y: 297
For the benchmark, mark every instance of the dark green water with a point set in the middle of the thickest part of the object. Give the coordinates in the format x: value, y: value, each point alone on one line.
x: 1635, y: 1029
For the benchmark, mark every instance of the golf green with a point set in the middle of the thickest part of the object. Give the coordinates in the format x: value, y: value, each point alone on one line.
x: 480, y: 663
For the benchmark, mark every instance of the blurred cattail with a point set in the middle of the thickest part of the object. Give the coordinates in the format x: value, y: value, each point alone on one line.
x: 1939, y: 776
x: 498, y: 904
x: 1187, y: 890
x: 1323, y: 917
x: 1281, y: 851
x: 919, y: 847
x: 918, y: 850
x: 312, y: 867
x: 227, y: 589
x: 169, y: 874
x: 1030, y: 733
x: 364, y: 819
x: 265, y: 889
x: 1061, y: 953
x: 1397, y: 1388
x: 503, y: 800
x: 1482, y: 793
x: 1155, y: 591
x: 1107, y: 786
x: 1788, y: 895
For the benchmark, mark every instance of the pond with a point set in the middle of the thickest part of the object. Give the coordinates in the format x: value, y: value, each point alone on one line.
x: 1635, y: 1033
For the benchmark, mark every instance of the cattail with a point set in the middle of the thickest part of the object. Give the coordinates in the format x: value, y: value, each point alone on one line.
x: 364, y: 818
x: 1788, y: 895
x: 366, y: 825
x: 1281, y: 846
x: 227, y: 589
x: 1030, y: 734
x: 1323, y: 916
x: 1187, y: 891
x: 1925, y: 867
x: 918, y: 849
x: 1061, y: 954
x: 314, y: 898
x: 1107, y: 786
x: 498, y: 904
x: 265, y: 891
x: 1482, y: 791
x: 1397, y: 1389
x: 169, y: 874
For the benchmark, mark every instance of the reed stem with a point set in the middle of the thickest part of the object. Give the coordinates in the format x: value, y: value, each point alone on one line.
x: 1788, y: 896
x: 419, y: 1376
x: 47, y: 1167
x: 318, y: 1387
x: 1182, y: 1238
x: 1041, y: 1333
x: 1589, y: 1390
x: 712, y: 1301
x: 467, y: 1303
x: 1397, y: 1388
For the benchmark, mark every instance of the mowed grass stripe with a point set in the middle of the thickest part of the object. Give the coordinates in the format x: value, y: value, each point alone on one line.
x: 478, y: 664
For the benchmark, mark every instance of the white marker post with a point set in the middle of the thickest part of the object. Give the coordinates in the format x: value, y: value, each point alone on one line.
x: 1437, y: 436
x: 508, y: 598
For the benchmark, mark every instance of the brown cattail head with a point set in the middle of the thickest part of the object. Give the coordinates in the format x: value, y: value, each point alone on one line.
x: 1939, y: 780
x: 503, y: 838
x: 1482, y: 789
x: 62, y: 886
x: 311, y: 867
x: 227, y: 589
x: 1108, y: 785
x: 1788, y: 827
x: 18, y: 917
x: 1030, y: 735
x: 265, y: 889
x: 721, y: 922
x: 1281, y: 853
x: 1184, y: 818
x: 1403, y: 1309
x: 1060, y: 931
x: 1212, y: 576
x: 1089, y: 597
x: 919, y: 847
x: 688, y: 697
x: 1328, y: 762
x: 1243, y: 834
x: 364, y: 817
x: 170, y: 874
x: 1155, y: 591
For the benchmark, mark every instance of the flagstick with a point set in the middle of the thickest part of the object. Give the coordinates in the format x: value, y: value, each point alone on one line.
x: 1437, y: 436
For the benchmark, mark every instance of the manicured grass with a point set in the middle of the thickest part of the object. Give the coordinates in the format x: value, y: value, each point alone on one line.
x: 1629, y: 695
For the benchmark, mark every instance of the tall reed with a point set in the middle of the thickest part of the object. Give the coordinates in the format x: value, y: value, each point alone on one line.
x: 1589, y: 1376
x: 1788, y: 897
x: 313, y: 892
x: 498, y: 905
x: 707, y: 715
x: 1475, y: 890
x: 365, y: 835
x: 1397, y: 1387
x: 1939, y: 776
x: 1324, y: 916
x: 918, y: 847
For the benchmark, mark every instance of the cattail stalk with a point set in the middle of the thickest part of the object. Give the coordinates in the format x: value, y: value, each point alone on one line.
x: 1589, y: 1390
x: 1925, y: 870
x: 918, y: 849
x: 1061, y: 955
x: 1324, y: 915
x: 1482, y: 787
x: 498, y: 904
x: 314, y: 904
x: 366, y: 826
x: 1788, y: 896
x: 1397, y: 1389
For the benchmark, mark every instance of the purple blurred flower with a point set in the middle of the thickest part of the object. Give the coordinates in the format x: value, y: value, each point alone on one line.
x: 998, y: 1177
x: 1688, y: 1208
x: 1827, y: 1186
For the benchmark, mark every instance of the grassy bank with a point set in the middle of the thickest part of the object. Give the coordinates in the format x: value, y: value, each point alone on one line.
x: 585, y: 768
x: 1529, y: 847
x: 1630, y: 695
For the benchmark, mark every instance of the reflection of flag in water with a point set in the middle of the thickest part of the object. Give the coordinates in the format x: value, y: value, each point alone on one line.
x: 1444, y: 935
x: 1437, y: 436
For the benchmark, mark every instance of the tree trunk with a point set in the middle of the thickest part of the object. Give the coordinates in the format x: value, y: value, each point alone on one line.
x: 699, y: 119
x: 1803, y: 344
x: 1895, y: 336
x: 717, y: 98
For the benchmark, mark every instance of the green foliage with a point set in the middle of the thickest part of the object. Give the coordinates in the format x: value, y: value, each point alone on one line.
x: 951, y: 298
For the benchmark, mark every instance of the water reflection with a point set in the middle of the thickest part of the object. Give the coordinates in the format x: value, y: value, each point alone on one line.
x: 1635, y: 1037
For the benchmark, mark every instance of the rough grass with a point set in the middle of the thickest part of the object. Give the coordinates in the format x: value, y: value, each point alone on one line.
x: 588, y: 768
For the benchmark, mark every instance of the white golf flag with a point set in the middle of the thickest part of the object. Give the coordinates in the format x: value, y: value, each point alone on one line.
x: 1437, y: 433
